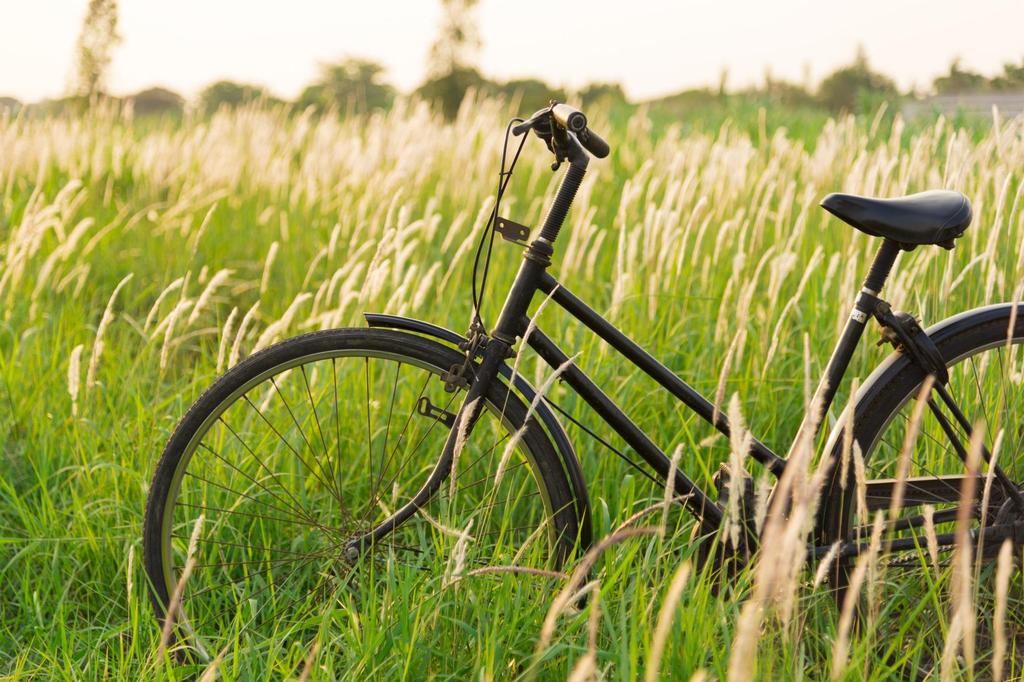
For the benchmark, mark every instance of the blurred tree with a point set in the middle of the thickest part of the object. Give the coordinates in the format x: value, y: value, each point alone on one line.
x: 157, y: 102
x: 458, y: 42
x: 350, y: 86
x: 958, y: 80
x: 602, y: 93
x: 230, y: 94
x: 779, y: 92
x: 448, y: 91
x: 452, y: 56
x: 1012, y: 77
x: 532, y: 93
x: 785, y: 94
x: 95, y: 43
x: 723, y: 82
x: 9, y: 104
x: 847, y: 87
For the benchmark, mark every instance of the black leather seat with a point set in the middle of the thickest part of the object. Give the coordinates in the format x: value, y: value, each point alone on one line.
x: 934, y: 217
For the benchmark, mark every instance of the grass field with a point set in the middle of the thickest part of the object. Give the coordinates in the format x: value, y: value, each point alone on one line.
x: 138, y: 262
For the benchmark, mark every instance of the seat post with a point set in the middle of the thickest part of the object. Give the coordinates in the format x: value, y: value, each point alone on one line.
x: 847, y: 344
x: 881, y: 266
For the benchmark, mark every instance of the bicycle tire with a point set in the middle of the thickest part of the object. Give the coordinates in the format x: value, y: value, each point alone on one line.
x: 545, y: 464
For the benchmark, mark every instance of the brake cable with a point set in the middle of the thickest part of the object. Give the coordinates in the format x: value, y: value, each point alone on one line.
x: 590, y: 432
x: 504, y: 176
x: 477, y: 324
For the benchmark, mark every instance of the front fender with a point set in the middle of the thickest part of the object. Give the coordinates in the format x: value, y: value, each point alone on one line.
x: 554, y: 428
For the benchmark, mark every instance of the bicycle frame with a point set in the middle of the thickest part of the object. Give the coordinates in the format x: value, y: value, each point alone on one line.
x: 697, y: 500
x: 514, y: 325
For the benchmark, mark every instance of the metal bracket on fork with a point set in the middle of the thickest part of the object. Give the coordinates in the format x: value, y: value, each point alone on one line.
x: 458, y: 375
x: 512, y: 231
x: 455, y: 378
x: 428, y: 409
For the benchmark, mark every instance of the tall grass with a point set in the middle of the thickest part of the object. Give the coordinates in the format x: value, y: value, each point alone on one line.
x: 137, y: 265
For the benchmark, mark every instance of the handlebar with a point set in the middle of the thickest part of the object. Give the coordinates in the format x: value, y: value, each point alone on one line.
x: 569, y: 119
x: 594, y: 143
x: 575, y: 121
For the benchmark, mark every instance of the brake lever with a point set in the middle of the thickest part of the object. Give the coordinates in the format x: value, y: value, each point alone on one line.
x: 531, y: 123
x: 558, y: 144
x: 554, y: 137
x: 525, y: 126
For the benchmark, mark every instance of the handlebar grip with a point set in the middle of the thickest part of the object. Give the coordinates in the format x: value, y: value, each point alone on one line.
x: 575, y: 121
x: 593, y: 143
x: 570, y: 118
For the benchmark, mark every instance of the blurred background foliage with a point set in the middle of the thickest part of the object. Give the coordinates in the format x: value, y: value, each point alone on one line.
x: 354, y: 86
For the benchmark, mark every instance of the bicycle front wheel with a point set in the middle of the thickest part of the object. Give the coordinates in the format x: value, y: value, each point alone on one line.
x: 313, y: 443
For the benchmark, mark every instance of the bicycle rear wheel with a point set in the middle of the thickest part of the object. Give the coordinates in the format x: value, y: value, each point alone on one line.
x: 912, y: 595
x: 313, y: 443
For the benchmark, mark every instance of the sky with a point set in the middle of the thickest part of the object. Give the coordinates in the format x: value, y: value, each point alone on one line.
x: 652, y: 47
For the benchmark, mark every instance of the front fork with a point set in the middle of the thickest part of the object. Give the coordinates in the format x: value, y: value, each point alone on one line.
x: 494, y: 353
x: 496, y: 350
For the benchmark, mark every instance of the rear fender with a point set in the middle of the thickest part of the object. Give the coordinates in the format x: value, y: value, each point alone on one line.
x: 875, y: 384
x: 896, y: 362
x: 554, y: 428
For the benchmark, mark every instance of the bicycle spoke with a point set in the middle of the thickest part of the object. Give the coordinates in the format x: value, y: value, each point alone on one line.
x: 950, y: 487
x: 337, y: 426
x: 1002, y: 384
x: 288, y: 408
x: 981, y: 397
x: 504, y: 502
x: 369, y: 432
x: 405, y: 463
x: 271, y: 584
x: 946, y: 447
x: 226, y: 489
x: 225, y: 543
x: 284, y: 440
x: 277, y: 542
x: 488, y: 451
x: 327, y: 551
x: 323, y: 441
x: 387, y: 429
x: 302, y: 433
x: 488, y: 478
x: 206, y: 509
x: 297, y: 509
x: 405, y: 427
x: 331, y: 550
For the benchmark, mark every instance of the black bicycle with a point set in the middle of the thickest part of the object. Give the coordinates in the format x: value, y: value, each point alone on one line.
x: 332, y: 455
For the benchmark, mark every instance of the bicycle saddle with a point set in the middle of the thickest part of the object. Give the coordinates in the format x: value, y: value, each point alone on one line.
x: 933, y: 217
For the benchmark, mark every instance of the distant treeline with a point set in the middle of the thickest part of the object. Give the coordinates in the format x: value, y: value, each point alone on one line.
x: 351, y: 86
x: 355, y: 86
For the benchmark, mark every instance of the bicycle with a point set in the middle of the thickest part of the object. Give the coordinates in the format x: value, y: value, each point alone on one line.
x: 267, y: 512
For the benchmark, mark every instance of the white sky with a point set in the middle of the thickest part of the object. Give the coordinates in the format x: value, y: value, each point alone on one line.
x: 651, y: 47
